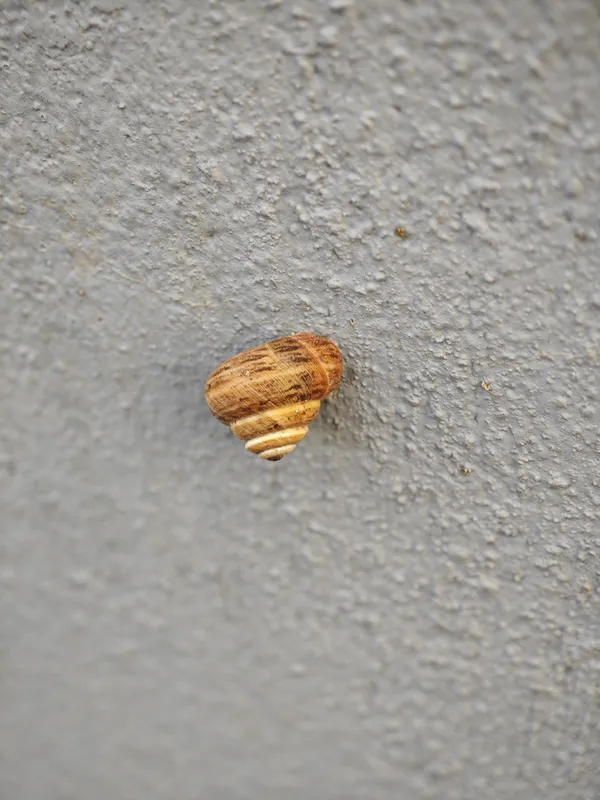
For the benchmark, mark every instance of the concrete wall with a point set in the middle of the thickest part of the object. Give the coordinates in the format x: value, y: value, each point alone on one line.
x: 408, y: 605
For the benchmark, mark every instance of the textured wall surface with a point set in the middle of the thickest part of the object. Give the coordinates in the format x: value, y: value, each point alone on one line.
x: 409, y: 605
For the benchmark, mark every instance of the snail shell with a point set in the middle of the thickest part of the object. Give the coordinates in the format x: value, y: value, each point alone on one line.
x: 270, y: 394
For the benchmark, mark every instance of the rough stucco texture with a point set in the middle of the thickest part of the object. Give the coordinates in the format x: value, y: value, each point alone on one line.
x: 406, y: 607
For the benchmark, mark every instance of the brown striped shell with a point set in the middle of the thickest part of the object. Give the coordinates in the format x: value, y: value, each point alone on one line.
x: 270, y: 394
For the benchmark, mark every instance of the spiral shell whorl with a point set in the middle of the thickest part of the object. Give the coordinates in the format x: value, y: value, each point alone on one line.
x: 274, y: 446
x: 270, y: 394
x: 274, y: 433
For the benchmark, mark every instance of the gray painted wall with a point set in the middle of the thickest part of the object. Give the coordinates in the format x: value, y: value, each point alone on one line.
x: 406, y: 607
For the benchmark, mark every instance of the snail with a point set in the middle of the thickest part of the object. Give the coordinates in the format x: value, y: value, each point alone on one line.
x: 270, y: 394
